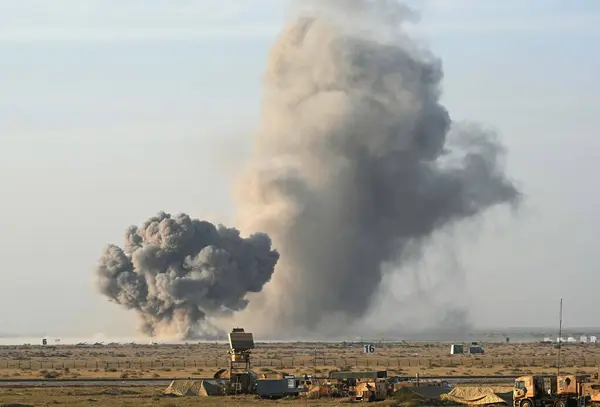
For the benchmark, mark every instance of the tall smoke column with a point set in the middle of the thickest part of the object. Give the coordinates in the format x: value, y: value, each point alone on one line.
x: 178, y: 272
x: 355, y: 163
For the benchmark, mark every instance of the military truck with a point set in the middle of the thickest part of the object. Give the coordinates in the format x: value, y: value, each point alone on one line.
x: 371, y: 390
x: 347, y: 382
x: 559, y: 391
x: 534, y: 391
x: 576, y: 391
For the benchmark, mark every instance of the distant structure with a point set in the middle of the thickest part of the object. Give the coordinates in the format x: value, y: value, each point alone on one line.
x: 583, y: 339
x: 457, y: 349
x: 475, y: 349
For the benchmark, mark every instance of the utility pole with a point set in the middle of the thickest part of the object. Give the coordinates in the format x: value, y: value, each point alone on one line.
x: 559, y: 338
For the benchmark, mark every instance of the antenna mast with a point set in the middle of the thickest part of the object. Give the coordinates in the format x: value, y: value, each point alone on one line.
x: 559, y: 337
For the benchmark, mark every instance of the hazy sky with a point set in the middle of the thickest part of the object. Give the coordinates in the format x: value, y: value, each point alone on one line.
x: 113, y: 110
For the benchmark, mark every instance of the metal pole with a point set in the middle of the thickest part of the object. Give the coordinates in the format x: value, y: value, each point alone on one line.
x: 559, y: 337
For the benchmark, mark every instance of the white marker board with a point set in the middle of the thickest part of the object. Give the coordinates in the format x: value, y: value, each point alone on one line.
x: 370, y: 348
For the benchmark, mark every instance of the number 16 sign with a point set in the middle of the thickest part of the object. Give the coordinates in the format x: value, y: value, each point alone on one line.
x: 369, y: 348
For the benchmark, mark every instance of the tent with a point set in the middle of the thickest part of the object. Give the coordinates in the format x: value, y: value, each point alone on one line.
x: 195, y: 388
x: 411, y: 393
x: 477, y: 395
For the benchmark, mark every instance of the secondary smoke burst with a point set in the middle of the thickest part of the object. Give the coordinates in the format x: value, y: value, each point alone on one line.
x: 176, y: 272
x: 356, y: 163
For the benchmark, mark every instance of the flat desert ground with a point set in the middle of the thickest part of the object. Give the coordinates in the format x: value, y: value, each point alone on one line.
x: 147, y: 397
x: 272, y: 359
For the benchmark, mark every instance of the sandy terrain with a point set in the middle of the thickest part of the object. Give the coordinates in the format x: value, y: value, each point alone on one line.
x: 203, y: 360
x: 107, y: 397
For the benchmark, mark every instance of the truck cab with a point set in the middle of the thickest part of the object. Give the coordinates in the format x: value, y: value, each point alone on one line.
x: 534, y: 391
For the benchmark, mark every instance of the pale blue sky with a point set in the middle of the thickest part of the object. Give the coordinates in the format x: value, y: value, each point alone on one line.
x: 113, y: 110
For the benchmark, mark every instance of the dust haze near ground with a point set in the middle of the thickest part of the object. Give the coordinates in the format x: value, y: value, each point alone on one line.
x: 178, y: 272
x: 356, y: 165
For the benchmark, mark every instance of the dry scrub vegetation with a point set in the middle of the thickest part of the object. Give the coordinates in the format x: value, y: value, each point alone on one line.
x: 146, y: 397
x: 203, y: 360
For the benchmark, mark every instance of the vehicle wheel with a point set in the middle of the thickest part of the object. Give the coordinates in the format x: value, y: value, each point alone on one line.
x: 526, y: 403
x: 560, y: 403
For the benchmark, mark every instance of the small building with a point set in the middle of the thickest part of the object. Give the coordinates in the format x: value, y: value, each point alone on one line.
x: 476, y: 350
x: 457, y: 349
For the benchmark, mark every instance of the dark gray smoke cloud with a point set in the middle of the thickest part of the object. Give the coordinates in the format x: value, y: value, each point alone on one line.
x: 356, y: 163
x: 178, y: 272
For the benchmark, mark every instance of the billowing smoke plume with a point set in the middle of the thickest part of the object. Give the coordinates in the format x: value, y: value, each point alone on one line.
x: 356, y: 163
x: 355, y: 166
x: 177, y: 271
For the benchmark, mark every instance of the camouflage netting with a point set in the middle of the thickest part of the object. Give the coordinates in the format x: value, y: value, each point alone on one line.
x: 477, y: 395
x: 421, y: 393
x: 195, y: 388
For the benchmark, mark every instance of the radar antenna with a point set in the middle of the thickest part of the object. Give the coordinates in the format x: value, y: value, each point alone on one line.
x: 240, y: 348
